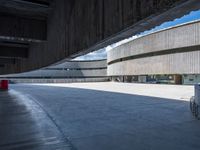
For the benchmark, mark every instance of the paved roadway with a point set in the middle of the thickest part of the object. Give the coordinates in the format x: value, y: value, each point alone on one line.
x: 86, y: 119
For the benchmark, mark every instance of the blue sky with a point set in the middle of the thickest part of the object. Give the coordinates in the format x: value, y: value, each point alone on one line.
x: 102, y: 53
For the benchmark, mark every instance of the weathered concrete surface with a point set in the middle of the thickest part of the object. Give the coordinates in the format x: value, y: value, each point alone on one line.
x: 67, y: 72
x: 177, y: 92
x: 68, y: 69
x: 174, y: 50
x: 25, y: 126
x: 78, y: 26
x: 100, y: 120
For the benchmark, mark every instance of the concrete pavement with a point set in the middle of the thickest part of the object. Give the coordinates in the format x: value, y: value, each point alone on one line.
x: 25, y: 126
x: 105, y: 120
x: 177, y: 92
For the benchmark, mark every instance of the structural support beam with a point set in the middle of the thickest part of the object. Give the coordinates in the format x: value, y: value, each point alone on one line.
x: 26, y: 7
x: 76, y: 27
x: 22, y: 27
x: 133, y: 18
x: 10, y: 61
x: 13, y: 52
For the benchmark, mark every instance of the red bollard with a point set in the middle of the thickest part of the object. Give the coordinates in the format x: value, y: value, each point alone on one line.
x: 4, y: 84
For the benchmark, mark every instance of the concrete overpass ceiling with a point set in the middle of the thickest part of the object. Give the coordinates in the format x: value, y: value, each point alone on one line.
x: 7, y: 61
x: 22, y: 23
x: 33, y: 8
x: 102, y: 53
x: 56, y: 30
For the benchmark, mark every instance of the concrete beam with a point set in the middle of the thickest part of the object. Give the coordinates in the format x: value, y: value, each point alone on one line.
x: 10, y: 61
x: 26, y: 7
x: 134, y: 17
x: 174, y: 51
x: 22, y: 27
x: 76, y: 27
x: 13, y: 52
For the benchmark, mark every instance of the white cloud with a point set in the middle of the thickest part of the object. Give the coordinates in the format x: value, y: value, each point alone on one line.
x: 97, y: 55
x: 102, y: 53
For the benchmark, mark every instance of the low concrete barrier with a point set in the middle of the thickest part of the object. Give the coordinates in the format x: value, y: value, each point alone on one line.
x: 4, y: 84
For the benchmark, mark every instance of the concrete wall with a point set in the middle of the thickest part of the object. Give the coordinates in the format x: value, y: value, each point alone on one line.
x: 64, y: 73
x: 71, y: 71
x: 181, y: 36
x: 73, y: 80
x: 172, y: 51
x: 75, y: 27
x: 81, y: 64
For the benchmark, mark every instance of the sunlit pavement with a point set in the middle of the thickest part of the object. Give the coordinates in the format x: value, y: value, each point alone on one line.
x: 115, y: 117
x: 178, y: 92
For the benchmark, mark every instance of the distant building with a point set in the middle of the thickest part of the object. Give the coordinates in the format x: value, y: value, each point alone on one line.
x: 168, y: 56
x: 70, y: 71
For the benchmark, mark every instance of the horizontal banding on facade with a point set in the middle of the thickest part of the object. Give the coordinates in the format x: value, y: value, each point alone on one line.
x: 171, y: 51
x: 69, y: 69
x: 151, y: 54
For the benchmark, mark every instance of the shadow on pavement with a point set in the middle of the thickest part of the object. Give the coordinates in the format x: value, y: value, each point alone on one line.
x: 97, y: 120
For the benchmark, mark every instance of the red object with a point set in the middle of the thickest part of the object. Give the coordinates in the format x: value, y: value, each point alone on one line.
x: 4, y: 84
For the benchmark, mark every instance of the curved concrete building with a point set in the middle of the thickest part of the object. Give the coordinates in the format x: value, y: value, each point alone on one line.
x: 70, y: 71
x: 173, y: 52
x: 38, y: 33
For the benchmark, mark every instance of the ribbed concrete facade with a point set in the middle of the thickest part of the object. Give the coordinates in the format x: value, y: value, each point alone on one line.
x: 38, y: 33
x: 172, y: 51
x: 70, y: 71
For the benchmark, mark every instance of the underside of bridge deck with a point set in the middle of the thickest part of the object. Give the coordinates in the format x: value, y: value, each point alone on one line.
x: 37, y: 33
